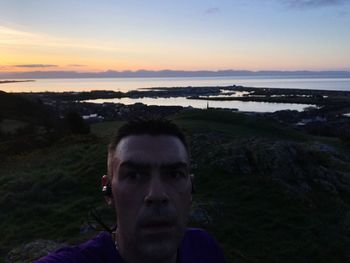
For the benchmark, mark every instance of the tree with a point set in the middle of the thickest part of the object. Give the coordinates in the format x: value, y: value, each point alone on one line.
x: 75, y: 123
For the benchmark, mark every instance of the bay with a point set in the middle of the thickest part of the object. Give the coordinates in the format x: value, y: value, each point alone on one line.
x: 250, y: 106
x: 127, y: 84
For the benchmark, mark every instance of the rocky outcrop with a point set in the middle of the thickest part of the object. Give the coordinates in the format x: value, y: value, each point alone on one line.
x: 32, y: 251
x: 299, y: 167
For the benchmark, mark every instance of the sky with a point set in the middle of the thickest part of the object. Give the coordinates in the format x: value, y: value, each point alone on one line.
x: 90, y: 35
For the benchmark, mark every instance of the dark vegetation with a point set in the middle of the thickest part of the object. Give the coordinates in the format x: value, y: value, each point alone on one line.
x: 76, y: 124
x: 26, y: 124
x: 316, y: 121
x: 267, y: 191
x: 24, y: 109
x: 273, y: 194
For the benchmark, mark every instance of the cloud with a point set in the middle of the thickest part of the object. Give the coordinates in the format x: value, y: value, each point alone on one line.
x: 13, y: 32
x: 35, y: 66
x: 212, y: 10
x: 13, y: 37
x: 4, y: 67
x: 76, y: 65
x: 343, y: 13
x: 314, y: 3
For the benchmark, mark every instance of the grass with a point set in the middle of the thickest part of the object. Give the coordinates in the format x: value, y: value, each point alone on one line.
x: 106, y: 129
x: 236, y: 125
x: 10, y: 126
x: 257, y: 222
x: 46, y: 193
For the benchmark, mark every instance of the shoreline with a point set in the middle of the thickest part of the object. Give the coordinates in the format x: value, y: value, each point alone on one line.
x: 330, y: 101
x: 211, y: 93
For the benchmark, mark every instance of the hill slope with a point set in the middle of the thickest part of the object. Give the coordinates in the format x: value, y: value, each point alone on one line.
x: 19, y: 108
x: 268, y: 193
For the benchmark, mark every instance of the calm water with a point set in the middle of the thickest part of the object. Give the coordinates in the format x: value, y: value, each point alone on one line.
x: 126, y: 84
x: 202, y: 104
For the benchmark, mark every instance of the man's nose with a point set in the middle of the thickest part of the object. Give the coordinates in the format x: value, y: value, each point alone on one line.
x: 156, y: 191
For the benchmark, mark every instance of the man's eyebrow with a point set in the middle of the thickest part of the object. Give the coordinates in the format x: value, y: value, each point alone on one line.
x: 143, y: 165
x: 133, y: 164
x: 174, y: 165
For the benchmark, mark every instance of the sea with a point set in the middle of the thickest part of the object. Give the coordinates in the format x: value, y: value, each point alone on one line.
x: 127, y: 84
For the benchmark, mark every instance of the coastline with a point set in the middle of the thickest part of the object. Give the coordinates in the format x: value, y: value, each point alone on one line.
x: 329, y: 100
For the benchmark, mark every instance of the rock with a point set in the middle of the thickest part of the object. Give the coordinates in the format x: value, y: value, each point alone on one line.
x: 32, y: 251
x: 299, y: 167
x: 200, y: 215
x: 200, y: 211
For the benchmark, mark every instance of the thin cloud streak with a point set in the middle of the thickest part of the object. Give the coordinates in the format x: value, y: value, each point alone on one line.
x: 76, y: 65
x: 212, y: 10
x: 11, y: 37
x: 5, y: 67
x: 13, y: 32
x: 304, y: 4
x: 35, y: 66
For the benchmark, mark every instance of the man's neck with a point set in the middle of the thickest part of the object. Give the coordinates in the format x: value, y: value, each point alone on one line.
x: 133, y: 258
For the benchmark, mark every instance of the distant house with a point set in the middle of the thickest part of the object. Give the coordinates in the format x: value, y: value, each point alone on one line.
x: 92, y: 118
x: 303, y: 122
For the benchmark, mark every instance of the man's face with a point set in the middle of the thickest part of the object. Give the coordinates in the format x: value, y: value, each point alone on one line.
x: 151, y: 188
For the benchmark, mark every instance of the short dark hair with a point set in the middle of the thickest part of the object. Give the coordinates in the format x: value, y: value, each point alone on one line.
x: 154, y: 126
x: 149, y: 126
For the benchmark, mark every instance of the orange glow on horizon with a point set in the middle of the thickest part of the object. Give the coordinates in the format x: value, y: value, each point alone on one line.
x: 22, y: 51
x: 102, y: 68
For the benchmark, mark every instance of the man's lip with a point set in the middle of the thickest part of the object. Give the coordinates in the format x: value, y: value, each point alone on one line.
x: 157, y: 226
x: 153, y: 224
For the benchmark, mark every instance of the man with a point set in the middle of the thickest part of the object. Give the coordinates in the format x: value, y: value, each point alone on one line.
x: 150, y: 188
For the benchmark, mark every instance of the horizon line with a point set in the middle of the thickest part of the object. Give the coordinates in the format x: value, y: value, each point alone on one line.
x: 142, y: 73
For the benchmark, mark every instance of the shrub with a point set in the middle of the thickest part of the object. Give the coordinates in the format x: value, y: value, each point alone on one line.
x: 75, y: 123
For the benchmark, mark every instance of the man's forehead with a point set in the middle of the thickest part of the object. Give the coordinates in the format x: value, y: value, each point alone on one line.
x: 151, y: 149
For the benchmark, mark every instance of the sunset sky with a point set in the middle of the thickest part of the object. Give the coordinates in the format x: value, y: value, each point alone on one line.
x: 91, y: 35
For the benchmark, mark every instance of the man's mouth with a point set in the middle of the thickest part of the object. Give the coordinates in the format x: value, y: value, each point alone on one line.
x: 157, y: 226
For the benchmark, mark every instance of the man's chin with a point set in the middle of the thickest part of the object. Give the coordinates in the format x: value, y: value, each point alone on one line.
x: 159, y: 243
x: 158, y: 250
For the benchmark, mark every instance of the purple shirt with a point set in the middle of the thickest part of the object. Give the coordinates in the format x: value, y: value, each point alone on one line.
x: 196, y: 246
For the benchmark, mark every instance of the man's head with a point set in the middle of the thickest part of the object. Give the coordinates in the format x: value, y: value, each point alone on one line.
x: 148, y: 169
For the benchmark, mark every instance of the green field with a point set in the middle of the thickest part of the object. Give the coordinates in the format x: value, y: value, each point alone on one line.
x: 243, y: 166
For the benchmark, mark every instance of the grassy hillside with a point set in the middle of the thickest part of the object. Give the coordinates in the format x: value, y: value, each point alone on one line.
x: 267, y: 193
x: 22, y: 109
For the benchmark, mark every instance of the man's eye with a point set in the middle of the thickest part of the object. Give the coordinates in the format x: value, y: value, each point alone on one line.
x: 133, y: 175
x: 177, y: 174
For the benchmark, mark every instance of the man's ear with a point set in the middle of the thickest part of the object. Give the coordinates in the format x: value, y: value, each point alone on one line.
x: 106, y: 189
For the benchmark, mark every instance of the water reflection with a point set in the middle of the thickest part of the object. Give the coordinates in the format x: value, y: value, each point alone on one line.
x: 202, y: 104
x: 126, y: 84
